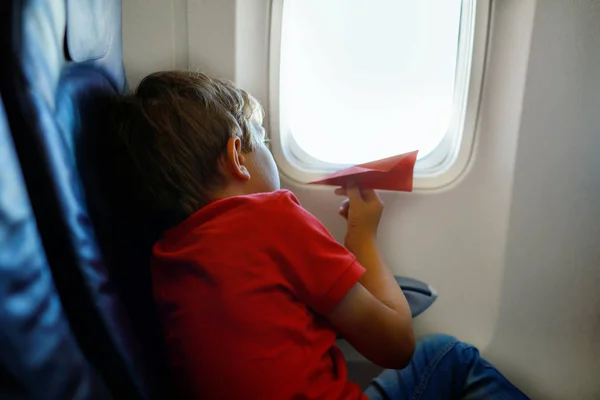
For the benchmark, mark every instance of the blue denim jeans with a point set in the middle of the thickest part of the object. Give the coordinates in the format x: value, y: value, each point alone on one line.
x: 444, y: 368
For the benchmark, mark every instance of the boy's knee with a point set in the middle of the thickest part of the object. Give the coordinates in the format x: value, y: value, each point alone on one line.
x: 448, y: 346
x: 444, y: 344
x: 437, y: 340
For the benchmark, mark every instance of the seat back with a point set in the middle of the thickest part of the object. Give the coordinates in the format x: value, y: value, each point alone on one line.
x: 63, y: 61
x: 39, y: 354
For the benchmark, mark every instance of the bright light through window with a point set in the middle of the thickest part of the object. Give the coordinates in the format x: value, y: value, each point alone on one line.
x: 367, y: 79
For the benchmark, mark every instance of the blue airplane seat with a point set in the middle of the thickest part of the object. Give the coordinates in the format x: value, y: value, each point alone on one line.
x: 61, y: 60
x: 39, y: 354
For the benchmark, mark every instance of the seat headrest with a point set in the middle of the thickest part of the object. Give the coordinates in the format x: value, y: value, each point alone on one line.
x: 91, y: 25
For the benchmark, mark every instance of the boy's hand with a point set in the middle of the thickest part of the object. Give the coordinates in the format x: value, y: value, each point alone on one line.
x: 362, y: 209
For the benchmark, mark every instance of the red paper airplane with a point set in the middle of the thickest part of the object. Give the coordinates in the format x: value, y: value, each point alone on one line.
x: 393, y: 173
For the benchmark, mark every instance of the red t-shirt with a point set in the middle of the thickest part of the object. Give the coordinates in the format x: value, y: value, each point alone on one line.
x: 241, y: 286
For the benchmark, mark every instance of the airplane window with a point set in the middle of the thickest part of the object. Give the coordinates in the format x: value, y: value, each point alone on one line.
x: 358, y: 80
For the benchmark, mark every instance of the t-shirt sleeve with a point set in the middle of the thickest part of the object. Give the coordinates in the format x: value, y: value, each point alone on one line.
x: 319, y: 270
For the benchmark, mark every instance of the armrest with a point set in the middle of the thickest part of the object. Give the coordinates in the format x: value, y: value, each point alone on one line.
x: 420, y: 295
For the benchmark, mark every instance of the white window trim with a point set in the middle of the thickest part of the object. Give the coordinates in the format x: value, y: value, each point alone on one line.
x: 438, y: 169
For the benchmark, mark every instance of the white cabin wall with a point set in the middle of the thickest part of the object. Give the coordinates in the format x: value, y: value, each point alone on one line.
x: 549, y: 323
x: 154, y: 37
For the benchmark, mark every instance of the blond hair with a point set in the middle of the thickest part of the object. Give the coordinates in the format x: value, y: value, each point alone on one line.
x: 172, y: 131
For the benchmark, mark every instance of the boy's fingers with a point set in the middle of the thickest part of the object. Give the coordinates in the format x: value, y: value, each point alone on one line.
x: 340, y: 191
x: 344, y: 207
x: 353, y: 193
x: 369, y: 194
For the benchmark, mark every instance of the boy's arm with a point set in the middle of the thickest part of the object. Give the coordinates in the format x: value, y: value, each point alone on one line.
x: 374, y: 316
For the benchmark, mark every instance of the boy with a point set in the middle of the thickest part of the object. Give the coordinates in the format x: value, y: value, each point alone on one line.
x: 251, y: 289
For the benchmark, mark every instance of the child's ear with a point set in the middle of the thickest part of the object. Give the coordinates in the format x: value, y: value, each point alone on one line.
x: 235, y: 159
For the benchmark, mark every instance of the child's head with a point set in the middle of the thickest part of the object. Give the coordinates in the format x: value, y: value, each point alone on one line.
x: 187, y: 139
